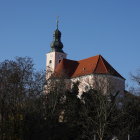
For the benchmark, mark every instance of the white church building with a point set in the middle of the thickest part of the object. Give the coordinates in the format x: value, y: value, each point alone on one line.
x: 92, y: 72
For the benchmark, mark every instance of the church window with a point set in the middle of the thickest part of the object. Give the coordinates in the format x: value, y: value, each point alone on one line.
x: 50, y: 61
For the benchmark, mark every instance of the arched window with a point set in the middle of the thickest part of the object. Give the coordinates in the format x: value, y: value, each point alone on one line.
x: 59, y: 61
x: 50, y: 61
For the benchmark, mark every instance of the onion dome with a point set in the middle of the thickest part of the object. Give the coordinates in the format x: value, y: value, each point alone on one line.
x: 56, y: 44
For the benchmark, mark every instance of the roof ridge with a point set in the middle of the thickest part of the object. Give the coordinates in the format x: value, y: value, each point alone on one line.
x: 69, y: 59
x: 97, y: 63
x: 104, y: 63
x: 88, y: 58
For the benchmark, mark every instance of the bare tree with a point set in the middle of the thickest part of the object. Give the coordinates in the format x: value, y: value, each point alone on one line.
x: 55, y: 88
x: 20, y: 85
x: 100, y: 114
x: 99, y: 106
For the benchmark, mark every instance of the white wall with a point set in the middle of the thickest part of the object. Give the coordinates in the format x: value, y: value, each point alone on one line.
x: 104, y: 83
x: 55, y: 58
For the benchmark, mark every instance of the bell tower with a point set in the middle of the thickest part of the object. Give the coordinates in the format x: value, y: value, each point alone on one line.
x: 56, y: 54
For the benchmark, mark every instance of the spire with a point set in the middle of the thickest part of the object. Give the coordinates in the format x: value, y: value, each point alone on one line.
x: 56, y: 44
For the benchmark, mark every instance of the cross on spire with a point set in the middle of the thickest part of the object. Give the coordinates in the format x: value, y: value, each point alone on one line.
x: 57, y: 21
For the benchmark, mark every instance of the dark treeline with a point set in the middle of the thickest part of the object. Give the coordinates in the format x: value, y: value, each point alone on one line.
x: 27, y: 112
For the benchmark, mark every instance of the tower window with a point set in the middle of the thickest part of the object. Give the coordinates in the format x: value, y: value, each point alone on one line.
x: 50, y: 61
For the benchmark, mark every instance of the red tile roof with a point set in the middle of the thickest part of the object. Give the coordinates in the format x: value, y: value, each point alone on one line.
x: 93, y: 65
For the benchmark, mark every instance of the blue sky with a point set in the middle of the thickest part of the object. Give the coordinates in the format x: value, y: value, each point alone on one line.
x: 89, y: 27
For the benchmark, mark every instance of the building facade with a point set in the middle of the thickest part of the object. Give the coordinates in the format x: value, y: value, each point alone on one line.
x: 93, y: 72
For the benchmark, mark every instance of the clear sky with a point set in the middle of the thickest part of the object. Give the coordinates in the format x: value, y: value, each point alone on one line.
x: 89, y: 27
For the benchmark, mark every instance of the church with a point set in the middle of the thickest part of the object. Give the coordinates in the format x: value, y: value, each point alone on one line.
x: 93, y: 72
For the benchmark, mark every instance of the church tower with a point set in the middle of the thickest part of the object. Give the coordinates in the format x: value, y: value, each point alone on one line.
x: 56, y: 54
